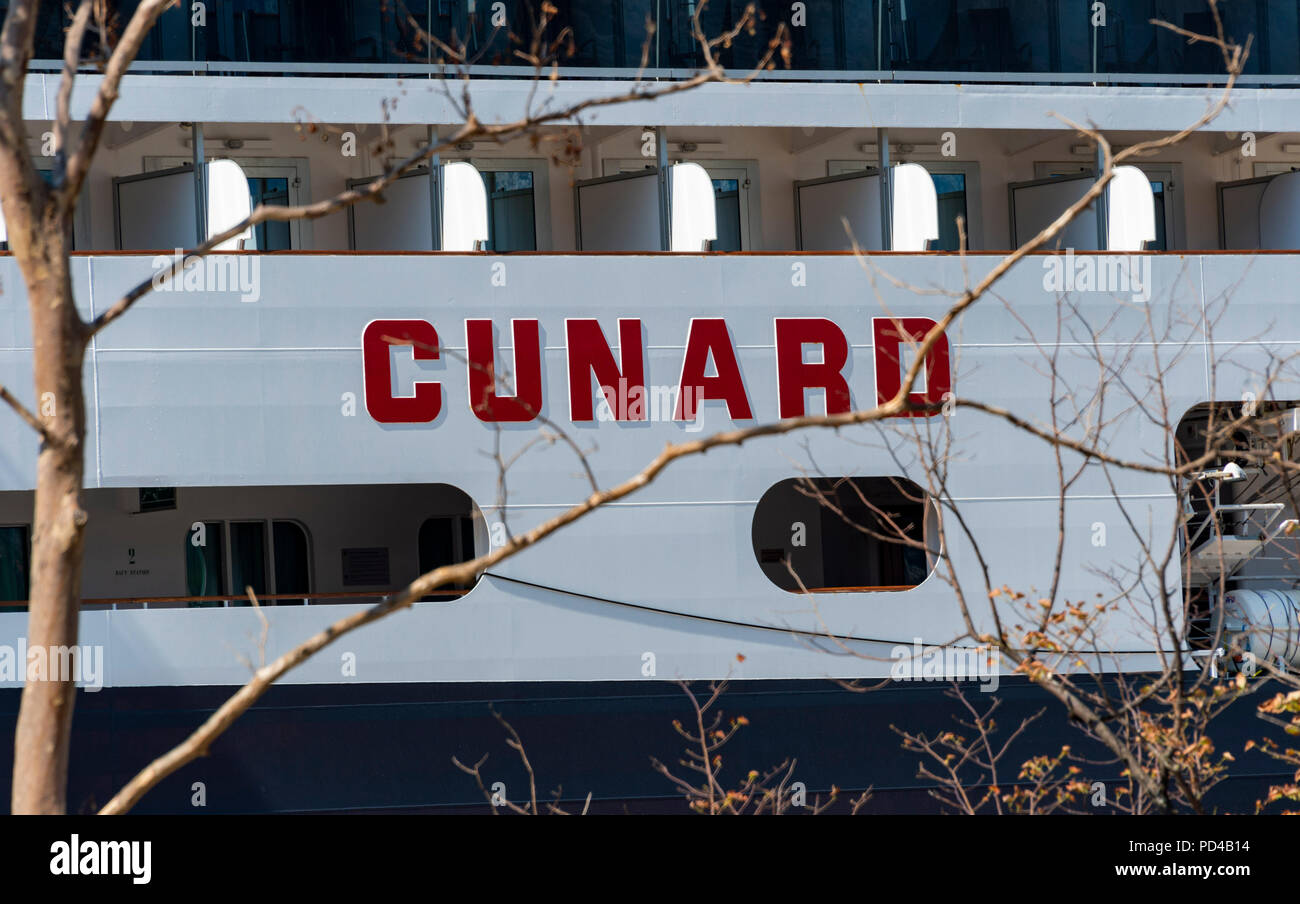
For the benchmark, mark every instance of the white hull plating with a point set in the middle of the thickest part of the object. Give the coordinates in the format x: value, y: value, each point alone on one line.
x: 202, y: 389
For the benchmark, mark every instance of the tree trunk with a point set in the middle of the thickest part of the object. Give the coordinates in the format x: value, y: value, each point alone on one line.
x: 45, y: 719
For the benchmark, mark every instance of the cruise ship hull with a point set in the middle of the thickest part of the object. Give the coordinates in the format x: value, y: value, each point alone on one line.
x: 293, y: 412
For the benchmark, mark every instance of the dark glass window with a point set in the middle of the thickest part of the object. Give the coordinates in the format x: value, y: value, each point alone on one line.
x: 726, y: 193
x: 157, y: 499
x: 1013, y: 36
x: 840, y: 534
x: 1130, y: 43
x: 48, y: 44
x: 292, y: 561
x: 271, y: 191
x: 1161, y: 242
x: 511, y: 210
x: 950, y: 189
x: 248, y: 559
x: 205, y: 564
x: 969, y: 35
x: 15, y: 564
x: 446, y: 541
x: 169, y: 39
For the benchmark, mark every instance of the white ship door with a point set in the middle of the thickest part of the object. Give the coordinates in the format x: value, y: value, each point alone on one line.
x: 620, y: 213
x: 424, y: 210
x: 838, y: 212
x: 157, y: 211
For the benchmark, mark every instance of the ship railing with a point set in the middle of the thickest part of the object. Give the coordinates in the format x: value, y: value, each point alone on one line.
x: 433, y: 71
x: 1270, y: 511
x: 231, y: 601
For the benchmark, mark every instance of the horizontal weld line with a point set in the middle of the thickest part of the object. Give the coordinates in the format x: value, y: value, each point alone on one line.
x: 672, y: 502
x: 259, y: 348
x: 1027, y: 345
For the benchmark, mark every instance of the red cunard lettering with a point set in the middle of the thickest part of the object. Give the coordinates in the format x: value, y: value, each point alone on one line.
x: 893, y: 338
x: 710, y: 337
x: 485, y: 400
x: 622, y: 377
x: 589, y: 353
x: 376, y: 341
x: 794, y: 374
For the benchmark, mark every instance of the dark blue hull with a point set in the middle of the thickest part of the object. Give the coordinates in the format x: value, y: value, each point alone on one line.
x: 389, y: 747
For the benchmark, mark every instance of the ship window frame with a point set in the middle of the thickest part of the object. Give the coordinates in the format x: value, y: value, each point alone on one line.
x: 459, y: 522
x: 223, y: 571
x: 745, y: 172
x: 969, y: 169
x: 82, y: 239
x: 26, y: 528
x: 1171, y: 174
x: 236, y: 596
x: 238, y: 593
x: 540, y: 169
x: 1266, y: 168
x: 789, y: 520
x: 156, y: 504
x: 310, y: 564
x: 297, y: 170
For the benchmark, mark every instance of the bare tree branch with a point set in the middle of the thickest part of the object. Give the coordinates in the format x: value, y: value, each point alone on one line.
x: 22, y: 411
x: 63, y: 104
x: 128, y: 47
